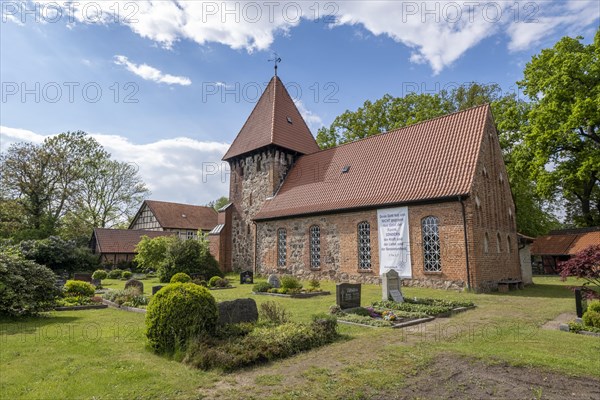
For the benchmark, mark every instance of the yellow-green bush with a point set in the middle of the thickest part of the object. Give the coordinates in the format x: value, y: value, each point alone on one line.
x: 79, y: 288
x: 177, y: 313
x: 181, y: 277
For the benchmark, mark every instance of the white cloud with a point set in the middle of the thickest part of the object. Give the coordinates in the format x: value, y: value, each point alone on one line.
x: 313, y: 121
x: 179, y: 169
x: 150, y: 73
x: 437, y: 32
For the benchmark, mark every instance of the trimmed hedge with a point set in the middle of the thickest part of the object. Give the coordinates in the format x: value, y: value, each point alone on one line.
x: 178, y: 312
x: 79, y: 288
x: 181, y: 277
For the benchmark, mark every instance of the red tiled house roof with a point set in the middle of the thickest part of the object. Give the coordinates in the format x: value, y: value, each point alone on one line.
x: 275, y: 120
x: 568, y: 242
x: 120, y: 240
x: 182, y: 216
x: 430, y: 160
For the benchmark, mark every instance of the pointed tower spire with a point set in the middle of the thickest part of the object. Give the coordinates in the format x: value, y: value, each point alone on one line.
x: 275, y: 121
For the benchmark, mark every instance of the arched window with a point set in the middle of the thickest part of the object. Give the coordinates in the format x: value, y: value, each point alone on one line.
x: 498, y: 247
x: 432, y: 261
x: 508, y: 245
x: 364, y: 246
x: 281, y: 247
x: 486, y: 243
x: 315, y: 247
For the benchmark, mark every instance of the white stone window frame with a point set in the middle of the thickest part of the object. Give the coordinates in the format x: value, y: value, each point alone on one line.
x: 281, y: 248
x: 432, y: 249
x: 315, y: 246
x: 364, y: 246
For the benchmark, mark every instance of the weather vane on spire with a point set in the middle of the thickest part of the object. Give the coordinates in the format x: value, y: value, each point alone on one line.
x: 276, y: 59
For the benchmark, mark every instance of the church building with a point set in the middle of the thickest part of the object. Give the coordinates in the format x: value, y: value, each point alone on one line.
x: 431, y: 200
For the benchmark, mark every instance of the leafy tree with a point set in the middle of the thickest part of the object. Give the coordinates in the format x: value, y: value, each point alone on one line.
x: 564, y: 85
x: 219, y: 203
x: 152, y: 253
x: 59, y: 254
x: 585, y: 265
x: 189, y: 256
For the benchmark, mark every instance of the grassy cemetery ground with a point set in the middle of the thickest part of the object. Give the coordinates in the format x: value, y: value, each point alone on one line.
x: 497, y: 349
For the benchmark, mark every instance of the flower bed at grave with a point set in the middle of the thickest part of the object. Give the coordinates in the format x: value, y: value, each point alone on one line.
x: 590, y: 322
x: 390, y: 313
x: 290, y: 287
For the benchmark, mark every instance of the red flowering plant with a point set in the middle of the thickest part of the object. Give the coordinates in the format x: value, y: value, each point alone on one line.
x: 585, y: 265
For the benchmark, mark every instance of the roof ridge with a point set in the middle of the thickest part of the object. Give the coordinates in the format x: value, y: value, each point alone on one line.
x: 181, y: 204
x: 401, y: 128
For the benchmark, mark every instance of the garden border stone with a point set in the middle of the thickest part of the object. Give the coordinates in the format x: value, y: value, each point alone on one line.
x: 86, y: 307
x: 125, y: 308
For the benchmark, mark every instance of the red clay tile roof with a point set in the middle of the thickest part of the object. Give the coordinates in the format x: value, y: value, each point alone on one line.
x: 183, y: 216
x: 122, y: 240
x: 268, y: 125
x: 569, y: 243
x: 430, y: 160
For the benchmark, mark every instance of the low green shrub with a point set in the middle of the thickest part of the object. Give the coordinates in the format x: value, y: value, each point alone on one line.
x: 290, y: 282
x: 412, y: 307
x: 200, y: 282
x: 261, y: 345
x: 222, y: 283
x: 178, y: 312
x: 359, y: 311
x: 115, y: 273
x: 212, y: 282
x: 594, y: 306
x: 130, y: 297
x: 314, y: 284
x: 126, y: 275
x: 365, y: 320
x: 577, y: 327
x: 72, y: 301
x: 439, y: 302
x: 26, y: 288
x: 181, y: 277
x: 272, y: 312
x: 78, y: 288
x: 591, y: 318
x: 100, y: 274
x: 261, y: 287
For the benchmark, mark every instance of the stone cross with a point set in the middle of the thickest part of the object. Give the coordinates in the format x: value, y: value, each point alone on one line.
x: 390, y: 286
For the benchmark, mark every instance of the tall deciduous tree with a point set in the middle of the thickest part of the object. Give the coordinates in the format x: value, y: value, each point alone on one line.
x: 564, y: 85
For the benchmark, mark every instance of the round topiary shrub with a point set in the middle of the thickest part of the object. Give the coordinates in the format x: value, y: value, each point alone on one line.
x: 177, y: 313
x: 126, y: 274
x: 212, y: 282
x: 100, y: 274
x: 115, y: 273
x: 79, y: 288
x: 181, y: 277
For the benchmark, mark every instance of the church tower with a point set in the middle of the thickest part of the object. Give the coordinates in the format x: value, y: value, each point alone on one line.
x: 269, y: 143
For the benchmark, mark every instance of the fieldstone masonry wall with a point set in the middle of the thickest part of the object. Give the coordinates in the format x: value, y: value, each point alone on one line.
x: 254, y: 178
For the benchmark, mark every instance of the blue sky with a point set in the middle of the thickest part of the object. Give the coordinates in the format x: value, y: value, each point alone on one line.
x: 179, y: 78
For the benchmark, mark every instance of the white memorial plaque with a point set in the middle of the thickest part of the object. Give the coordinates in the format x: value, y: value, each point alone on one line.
x: 394, y: 241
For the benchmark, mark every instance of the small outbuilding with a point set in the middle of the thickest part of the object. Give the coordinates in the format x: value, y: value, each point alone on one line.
x: 115, y: 246
x: 557, y: 247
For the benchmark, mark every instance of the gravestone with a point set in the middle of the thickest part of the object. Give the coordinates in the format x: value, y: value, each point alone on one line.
x: 390, y: 286
x: 580, y: 303
x: 246, y: 277
x: 156, y: 289
x: 83, y: 276
x: 135, y: 284
x: 347, y: 295
x: 236, y: 311
x: 274, y: 281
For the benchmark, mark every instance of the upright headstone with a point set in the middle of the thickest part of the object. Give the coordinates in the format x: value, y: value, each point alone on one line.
x: 156, y: 289
x: 347, y: 295
x: 134, y: 283
x: 274, y: 281
x: 246, y: 277
x: 83, y: 276
x: 236, y: 311
x: 578, y: 303
x: 390, y: 286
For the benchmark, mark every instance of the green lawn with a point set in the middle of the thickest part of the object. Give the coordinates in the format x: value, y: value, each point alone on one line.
x: 100, y: 354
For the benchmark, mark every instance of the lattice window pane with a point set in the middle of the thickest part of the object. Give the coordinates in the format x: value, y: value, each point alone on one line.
x: 364, y: 245
x: 432, y: 260
x: 315, y: 247
x: 281, y: 247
